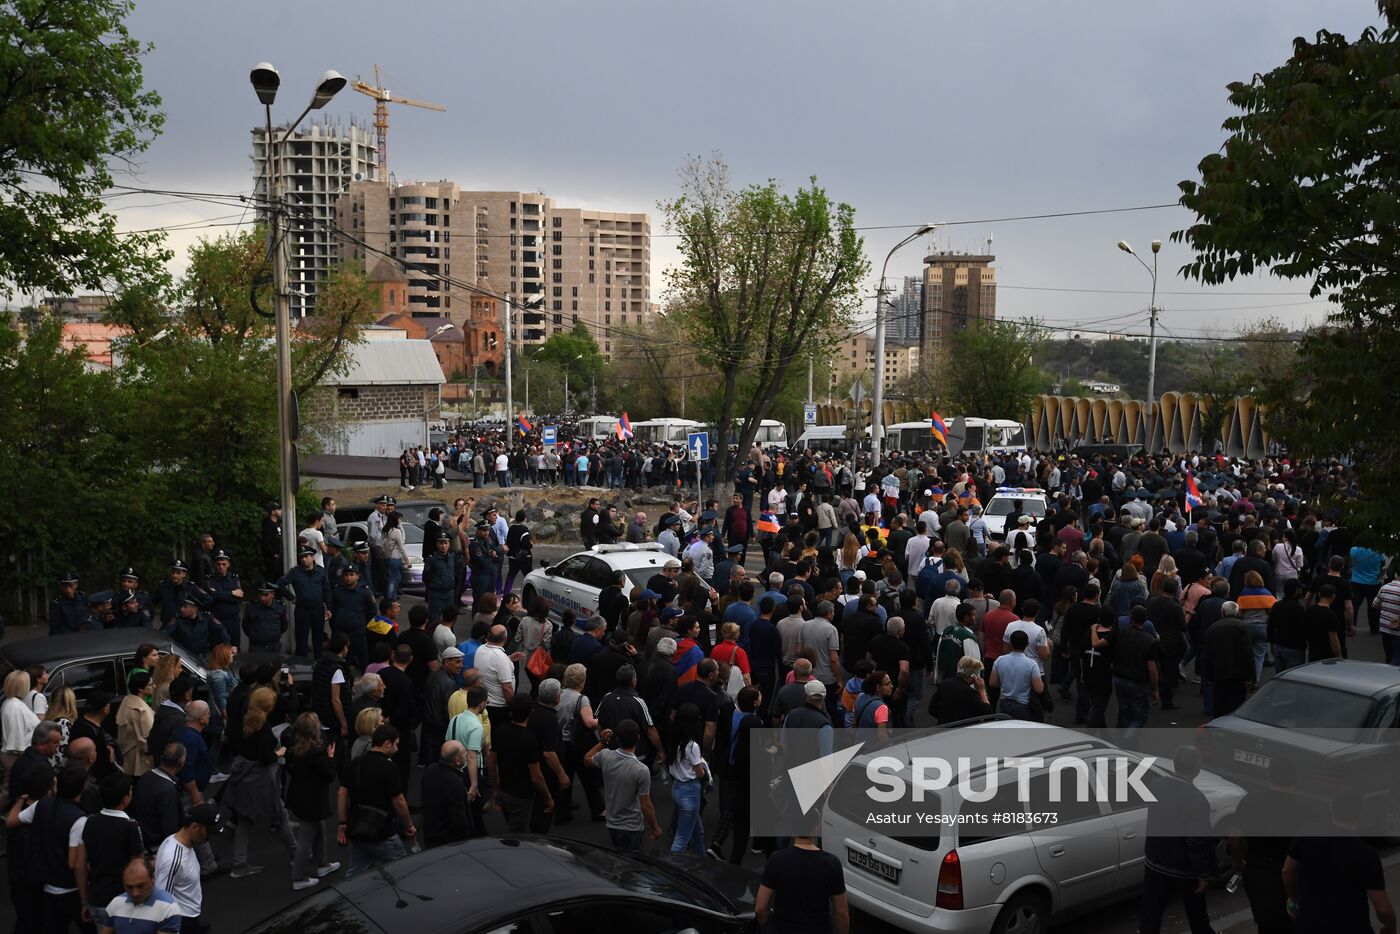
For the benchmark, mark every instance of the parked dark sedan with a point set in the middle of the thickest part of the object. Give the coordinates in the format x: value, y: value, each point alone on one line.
x: 88, y: 661
x: 1334, y: 719
x: 530, y: 885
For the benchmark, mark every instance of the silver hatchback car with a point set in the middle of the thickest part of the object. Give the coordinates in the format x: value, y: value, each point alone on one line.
x: 967, y: 879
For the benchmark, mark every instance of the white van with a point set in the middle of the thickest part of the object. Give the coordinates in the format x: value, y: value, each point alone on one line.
x: 823, y: 438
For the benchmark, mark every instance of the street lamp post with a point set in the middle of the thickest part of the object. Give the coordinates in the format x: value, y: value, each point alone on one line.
x: 510, y: 393
x: 572, y: 360
x: 1151, y: 338
x: 265, y: 81
x: 877, y: 428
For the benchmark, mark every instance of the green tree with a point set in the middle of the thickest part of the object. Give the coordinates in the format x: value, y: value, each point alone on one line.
x: 575, y: 353
x: 762, y: 275
x: 71, y: 103
x: 1306, y: 185
x: 989, y: 371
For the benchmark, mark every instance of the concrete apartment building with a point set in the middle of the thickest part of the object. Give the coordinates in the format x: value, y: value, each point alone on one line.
x: 855, y: 358
x: 904, y: 318
x: 78, y: 307
x: 317, y: 163
x: 960, y: 291
x: 579, y: 265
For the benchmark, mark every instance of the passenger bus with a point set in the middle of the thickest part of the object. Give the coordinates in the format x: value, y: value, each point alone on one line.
x: 985, y: 436
x: 595, y: 427
x: 910, y: 436
x: 665, y: 430
x: 770, y: 433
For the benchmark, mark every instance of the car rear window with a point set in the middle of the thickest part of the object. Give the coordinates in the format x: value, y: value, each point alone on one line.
x: 1298, y: 705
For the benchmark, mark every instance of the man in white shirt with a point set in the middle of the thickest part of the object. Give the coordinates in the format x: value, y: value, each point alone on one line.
x: 1037, y: 642
x: 871, y: 503
x: 915, y: 552
x: 998, y: 474
x: 314, y: 537
x: 502, y: 470
x: 497, y: 672
x: 978, y: 527
x: 177, y: 864
x: 374, y: 530
x: 944, y: 612
x: 929, y: 517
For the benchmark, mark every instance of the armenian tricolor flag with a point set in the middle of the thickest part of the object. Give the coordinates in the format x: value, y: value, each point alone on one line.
x: 940, y: 430
x: 524, y: 424
x: 767, y: 522
x: 624, y: 428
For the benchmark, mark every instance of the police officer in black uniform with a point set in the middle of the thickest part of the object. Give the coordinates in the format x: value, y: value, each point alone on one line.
x: 335, y: 561
x: 100, y: 615
x: 70, y: 608
x: 440, y: 572
x: 226, y: 597
x: 352, y: 607
x: 130, y: 580
x: 129, y: 612
x: 361, y: 564
x: 307, y: 586
x: 174, y: 590
x: 270, y: 541
x: 195, y: 630
x: 265, y: 620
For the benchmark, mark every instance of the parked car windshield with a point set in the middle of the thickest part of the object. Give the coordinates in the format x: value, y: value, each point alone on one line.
x: 1298, y: 705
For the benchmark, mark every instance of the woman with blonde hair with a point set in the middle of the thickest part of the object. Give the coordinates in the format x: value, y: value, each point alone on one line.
x: 366, y: 722
x: 166, y: 671
x: 848, y: 556
x: 17, y: 719
x: 134, y: 721
x: 252, y: 791
x: 63, y: 710
x: 1166, y: 570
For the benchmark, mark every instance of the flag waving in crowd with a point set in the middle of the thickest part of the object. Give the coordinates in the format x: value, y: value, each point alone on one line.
x: 1193, y: 493
x: 624, y: 428
x: 524, y: 424
x: 940, y: 430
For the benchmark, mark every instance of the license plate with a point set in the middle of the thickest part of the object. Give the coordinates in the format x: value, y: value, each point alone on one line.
x: 873, y: 864
x: 1252, y: 758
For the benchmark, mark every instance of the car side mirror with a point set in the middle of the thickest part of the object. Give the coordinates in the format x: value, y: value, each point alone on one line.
x: 548, y: 570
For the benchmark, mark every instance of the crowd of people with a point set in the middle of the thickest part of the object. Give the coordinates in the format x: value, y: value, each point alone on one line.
x: 823, y: 595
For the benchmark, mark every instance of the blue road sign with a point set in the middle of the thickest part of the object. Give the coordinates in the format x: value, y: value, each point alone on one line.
x: 551, y: 434
x: 698, y: 444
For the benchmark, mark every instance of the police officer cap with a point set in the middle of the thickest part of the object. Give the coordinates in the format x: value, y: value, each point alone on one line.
x: 349, y: 569
x: 69, y: 578
x: 128, y: 574
x: 189, y: 601
x: 483, y: 524
x: 444, y: 537
x: 735, y: 549
x: 707, y: 530
x: 178, y: 565
x: 127, y: 596
x: 669, y: 520
x: 306, y: 552
x: 333, y: 542
x: 382, y: 499
x: 99, y: 598
x: 362, y: 547
x: 267, y: 587
x: 708, y: 515
x: 392, y: 501
x: 221, y: 555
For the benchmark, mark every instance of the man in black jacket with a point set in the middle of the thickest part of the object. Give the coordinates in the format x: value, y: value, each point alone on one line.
x: 400, y: 706
x: 962, y: 697
x: 1229, y: 661
x: 155, y: 799
x: 612, y: 600
x: 445, y: 798
x: 1178, y: 852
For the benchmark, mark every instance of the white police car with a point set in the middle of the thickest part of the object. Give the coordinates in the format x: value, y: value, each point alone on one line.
x: 1031, y: 500
x: 575, y: 582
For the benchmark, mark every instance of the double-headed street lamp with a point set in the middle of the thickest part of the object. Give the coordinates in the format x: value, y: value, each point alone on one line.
x: 265, y: 81
x: 1152, y: 336
x: 877, y: 427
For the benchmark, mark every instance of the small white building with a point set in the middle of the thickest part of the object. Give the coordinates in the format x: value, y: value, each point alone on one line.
x: 384, y: 401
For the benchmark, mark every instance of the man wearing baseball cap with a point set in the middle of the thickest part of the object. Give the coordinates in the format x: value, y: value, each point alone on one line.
x: 807, y: 733
x: 177, y: 863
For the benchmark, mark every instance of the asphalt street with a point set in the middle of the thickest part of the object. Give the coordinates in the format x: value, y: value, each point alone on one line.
x: 235, y: 905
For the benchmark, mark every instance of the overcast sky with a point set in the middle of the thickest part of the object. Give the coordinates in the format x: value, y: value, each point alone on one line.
x: 911, y: 111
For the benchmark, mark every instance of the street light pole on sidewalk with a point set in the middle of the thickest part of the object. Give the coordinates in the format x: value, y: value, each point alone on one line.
x: 877, y: 426
x: 1152, y: 336
x: 265, y: 81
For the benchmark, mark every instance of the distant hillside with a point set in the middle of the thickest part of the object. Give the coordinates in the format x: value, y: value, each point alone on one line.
x: 1180, y: 366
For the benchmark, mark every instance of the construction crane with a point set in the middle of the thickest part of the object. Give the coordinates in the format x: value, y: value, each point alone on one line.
x: 382, y: 98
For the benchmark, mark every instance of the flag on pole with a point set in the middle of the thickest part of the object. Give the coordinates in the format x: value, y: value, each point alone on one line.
x: 1193, y: 493
x: 524, y: 424
x: 624, y: 428
x: 940, y: 430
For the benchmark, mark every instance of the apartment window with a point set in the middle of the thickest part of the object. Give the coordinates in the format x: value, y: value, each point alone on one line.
x: 512, y: 254
x: 558, y: 264
x: 558, y: 250
x: 575, y: 292
x: 558, y: 306
x: 512, y: 207
x: 607, y: 319
x: 590, y: 266
x: 558, y: 222
x: 590, y: 247
x: 607, y: 293
x: 513, y: 274
x: 512, y: 227
x: 575, y: 305
x: 607, y: 347
x: 575, y: 321
x: 558, y: 291
x: 607, y: 264
x: 557, y: 235
x: 590, y: 278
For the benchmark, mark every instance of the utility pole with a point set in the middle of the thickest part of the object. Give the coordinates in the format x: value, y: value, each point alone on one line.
x: 809, y: 379
x: 1152, y: 311
x: 877, y: 426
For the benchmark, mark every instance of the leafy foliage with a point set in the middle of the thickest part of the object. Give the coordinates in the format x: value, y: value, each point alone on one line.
x: 762, y: 275
x: 71, y: 101
x: 988, y: 371
x: 575, y: 353
x: 1306, y: 186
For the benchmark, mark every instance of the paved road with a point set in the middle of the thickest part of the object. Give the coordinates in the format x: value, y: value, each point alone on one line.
x: 234, y: 905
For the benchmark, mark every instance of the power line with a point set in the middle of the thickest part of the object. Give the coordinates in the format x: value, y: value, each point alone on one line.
x: 1047, y: 288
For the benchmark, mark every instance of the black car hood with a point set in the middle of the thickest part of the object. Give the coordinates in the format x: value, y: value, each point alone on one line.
x: 736, y: 885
